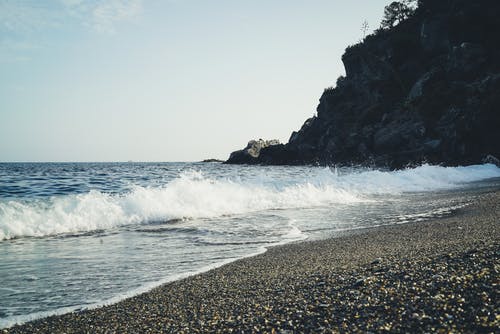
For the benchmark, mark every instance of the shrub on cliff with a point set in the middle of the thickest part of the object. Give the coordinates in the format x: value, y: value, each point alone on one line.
x: 397, y: 12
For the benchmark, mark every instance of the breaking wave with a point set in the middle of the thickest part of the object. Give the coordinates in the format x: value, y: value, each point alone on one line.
x: 195, y: 195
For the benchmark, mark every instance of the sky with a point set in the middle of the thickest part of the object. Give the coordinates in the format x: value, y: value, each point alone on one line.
x: 165, y: 80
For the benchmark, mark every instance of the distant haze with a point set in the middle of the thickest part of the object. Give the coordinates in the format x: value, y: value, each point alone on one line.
x: 176, y: 80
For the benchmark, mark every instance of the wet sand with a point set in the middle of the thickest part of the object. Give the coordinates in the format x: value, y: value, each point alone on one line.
x: 436, y: 276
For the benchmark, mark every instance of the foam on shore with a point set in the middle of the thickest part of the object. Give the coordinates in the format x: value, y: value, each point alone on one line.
x: 194, y: 195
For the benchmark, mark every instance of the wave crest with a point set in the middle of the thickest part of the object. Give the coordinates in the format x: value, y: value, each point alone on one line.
x: 194, y: 195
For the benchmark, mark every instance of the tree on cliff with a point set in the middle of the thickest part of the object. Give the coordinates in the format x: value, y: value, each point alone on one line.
x: 364, y: 27
x: 397, y: 12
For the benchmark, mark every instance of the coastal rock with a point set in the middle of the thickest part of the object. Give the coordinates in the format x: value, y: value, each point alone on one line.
x: 251, y: 152
x: 212, y: 160
x: 489, y: 159
x: 434, y: 34
x: 426, y: 90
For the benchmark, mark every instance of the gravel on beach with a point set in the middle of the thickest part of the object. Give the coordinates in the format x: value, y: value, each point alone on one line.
x: 436, y: 276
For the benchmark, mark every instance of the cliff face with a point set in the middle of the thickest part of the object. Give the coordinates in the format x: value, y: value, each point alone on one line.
x: 427, y: 90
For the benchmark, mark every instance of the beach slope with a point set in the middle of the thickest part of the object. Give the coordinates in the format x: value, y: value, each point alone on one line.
x: 436, y: 276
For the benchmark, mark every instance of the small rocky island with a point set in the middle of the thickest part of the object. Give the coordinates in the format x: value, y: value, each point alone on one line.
x: 425, y: 87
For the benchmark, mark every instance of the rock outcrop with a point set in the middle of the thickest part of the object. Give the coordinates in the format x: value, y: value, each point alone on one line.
x: 212, y: 160
x: 251, y: 153
x: 426, y: 90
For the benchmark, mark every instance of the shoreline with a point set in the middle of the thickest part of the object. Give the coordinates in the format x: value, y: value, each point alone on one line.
x: 408, y: 277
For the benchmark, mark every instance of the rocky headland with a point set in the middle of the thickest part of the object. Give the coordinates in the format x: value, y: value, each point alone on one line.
x: 424, y: 90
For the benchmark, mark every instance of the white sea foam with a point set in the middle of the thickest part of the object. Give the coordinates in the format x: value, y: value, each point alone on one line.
x: 194, y: 195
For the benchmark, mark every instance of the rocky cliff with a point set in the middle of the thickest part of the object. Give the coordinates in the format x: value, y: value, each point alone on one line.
x: 426, y: 90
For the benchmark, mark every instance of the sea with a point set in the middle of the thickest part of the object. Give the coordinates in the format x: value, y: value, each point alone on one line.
x: 75, y: 236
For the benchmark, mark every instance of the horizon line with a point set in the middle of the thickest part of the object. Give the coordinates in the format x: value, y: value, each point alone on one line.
x: 116, y: 161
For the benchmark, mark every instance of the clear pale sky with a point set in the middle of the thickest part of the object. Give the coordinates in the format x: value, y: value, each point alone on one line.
x: 171, y: 80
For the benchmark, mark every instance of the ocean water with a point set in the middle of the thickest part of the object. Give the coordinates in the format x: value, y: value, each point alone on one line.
x: 81, y: 235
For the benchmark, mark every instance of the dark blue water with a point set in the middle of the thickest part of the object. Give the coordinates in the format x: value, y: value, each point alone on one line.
x: 49, y: 179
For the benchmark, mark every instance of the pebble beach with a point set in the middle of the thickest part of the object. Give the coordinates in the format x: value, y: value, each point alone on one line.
x: 440, y: 275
